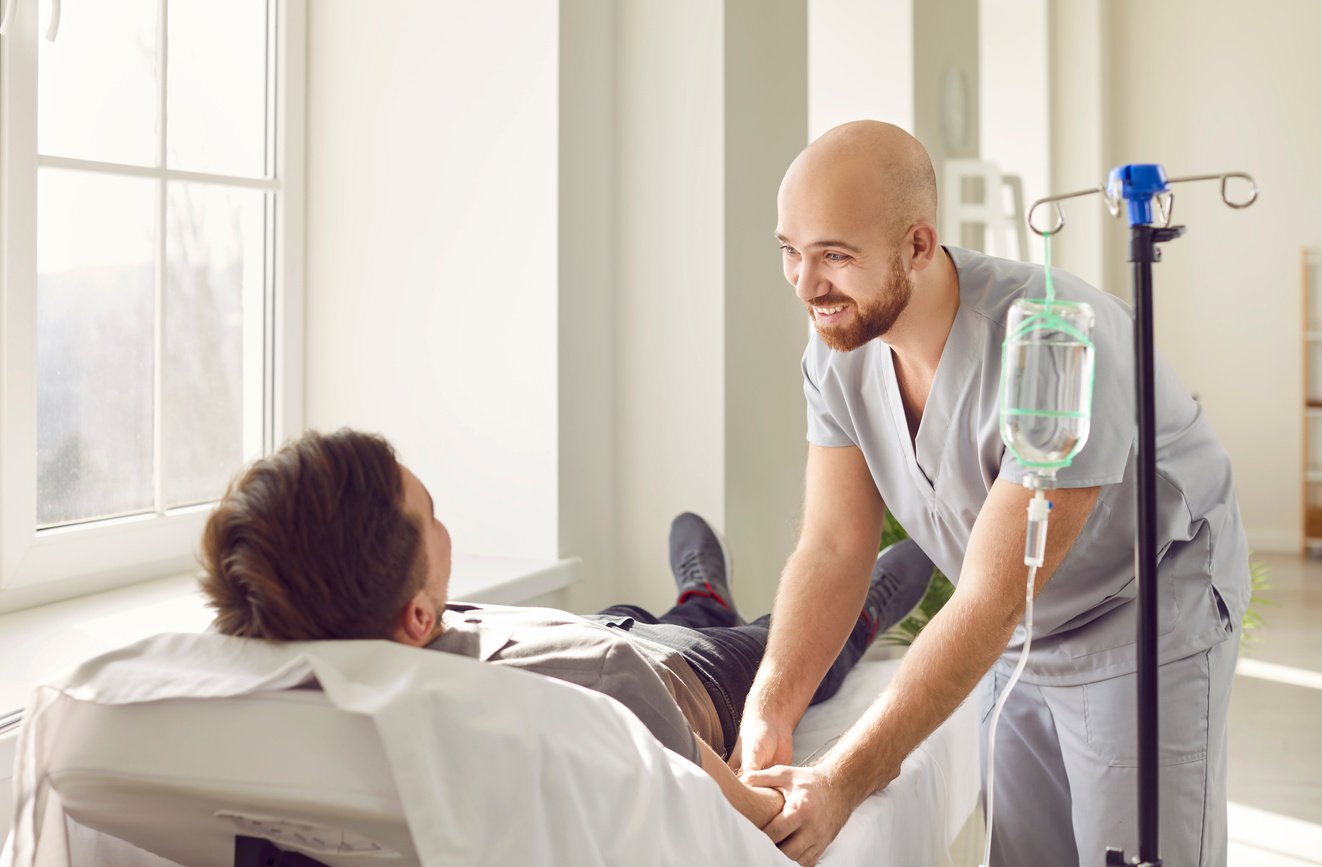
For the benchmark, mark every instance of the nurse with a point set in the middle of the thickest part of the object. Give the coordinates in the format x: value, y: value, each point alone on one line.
x: 901, y: 381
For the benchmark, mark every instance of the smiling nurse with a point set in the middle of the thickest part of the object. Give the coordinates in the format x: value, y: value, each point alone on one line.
x: 901, y: 383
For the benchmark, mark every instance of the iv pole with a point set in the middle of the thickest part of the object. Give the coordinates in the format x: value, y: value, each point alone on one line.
x: 1141, y: 186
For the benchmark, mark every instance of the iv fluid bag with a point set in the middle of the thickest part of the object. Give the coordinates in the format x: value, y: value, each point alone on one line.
x: 1046, y: 382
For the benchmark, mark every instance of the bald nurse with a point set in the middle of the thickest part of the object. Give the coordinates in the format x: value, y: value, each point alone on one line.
x: 901, y: 380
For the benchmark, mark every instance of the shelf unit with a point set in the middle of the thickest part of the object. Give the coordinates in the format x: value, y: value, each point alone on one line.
x: 1311, y: 470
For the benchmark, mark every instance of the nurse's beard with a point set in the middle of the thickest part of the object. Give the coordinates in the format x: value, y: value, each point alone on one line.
x: 872, y: 320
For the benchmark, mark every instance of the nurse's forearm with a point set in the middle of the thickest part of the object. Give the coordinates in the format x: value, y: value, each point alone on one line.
x: 937, y: 673
x: 817, y: 604
x: 963, y: 640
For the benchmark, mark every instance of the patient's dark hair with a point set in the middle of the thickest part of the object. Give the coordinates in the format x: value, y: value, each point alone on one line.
x: 312, y: 543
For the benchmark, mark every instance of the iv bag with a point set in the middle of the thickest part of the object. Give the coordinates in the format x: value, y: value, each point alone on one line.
x: 1046, y: 382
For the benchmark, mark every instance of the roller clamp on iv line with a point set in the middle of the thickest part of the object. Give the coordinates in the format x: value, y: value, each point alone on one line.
x: 1046, y: 407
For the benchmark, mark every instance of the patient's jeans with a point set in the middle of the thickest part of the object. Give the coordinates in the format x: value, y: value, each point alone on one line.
x: 725, y: 657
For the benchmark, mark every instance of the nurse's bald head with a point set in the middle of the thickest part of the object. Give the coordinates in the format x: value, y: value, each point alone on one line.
x: 864, y: 172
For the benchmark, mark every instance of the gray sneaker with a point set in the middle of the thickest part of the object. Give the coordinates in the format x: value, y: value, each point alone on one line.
x: 899, y: 582
x: 700, y: 563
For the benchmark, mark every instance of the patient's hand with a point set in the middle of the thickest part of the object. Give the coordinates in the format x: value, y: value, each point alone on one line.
x: 764, y: 804
x: 757, y: 805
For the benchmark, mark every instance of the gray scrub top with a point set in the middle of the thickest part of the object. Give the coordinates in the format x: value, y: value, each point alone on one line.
x: 1084, y: 620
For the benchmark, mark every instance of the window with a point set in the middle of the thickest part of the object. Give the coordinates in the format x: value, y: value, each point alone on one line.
x: 151, y: 253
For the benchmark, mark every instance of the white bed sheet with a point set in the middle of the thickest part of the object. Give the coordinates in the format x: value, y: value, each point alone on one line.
x: 912, y: 822
x: 915, y: 819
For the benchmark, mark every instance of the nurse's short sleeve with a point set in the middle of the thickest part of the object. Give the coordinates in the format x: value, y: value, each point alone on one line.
x: 1112, y: 431
x: 823, y: 429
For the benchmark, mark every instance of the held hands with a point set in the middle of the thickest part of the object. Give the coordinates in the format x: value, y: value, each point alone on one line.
x: 817, y: 802
x: 815, y: 809
x: 809, y: 813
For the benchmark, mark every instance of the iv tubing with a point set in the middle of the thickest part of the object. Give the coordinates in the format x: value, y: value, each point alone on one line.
x: 996, y: 714
x: 1046, y: 267
x: 1033, y: 562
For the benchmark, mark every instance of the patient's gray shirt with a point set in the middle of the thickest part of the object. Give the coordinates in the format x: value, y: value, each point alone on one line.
x: 651, y: 680
x: 935, y: 485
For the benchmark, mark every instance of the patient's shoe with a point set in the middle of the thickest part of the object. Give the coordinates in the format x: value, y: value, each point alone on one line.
x: 701, y: 563
x: 899, y: 582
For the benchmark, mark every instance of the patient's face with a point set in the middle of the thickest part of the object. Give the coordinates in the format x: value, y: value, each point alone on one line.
x: 419, y: 507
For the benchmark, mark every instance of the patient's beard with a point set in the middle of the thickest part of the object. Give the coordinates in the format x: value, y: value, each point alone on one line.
x: 869, y: 321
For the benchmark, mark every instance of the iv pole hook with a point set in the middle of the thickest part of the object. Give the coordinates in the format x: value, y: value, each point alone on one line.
x: 1165, y: 205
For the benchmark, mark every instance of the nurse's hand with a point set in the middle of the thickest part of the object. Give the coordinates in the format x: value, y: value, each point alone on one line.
x: 815, y: 810
x: 761, y: 744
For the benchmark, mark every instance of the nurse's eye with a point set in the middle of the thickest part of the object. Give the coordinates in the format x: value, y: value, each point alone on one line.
x: 836, y: 257
x: 788, y: 250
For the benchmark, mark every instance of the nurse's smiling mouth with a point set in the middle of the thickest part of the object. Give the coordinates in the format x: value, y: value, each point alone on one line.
x: 828, y: 315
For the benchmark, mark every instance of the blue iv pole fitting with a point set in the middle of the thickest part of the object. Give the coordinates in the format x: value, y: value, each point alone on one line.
x: 1137, y: 184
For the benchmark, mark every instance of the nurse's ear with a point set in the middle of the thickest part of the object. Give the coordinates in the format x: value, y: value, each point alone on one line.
x: 921, y: 244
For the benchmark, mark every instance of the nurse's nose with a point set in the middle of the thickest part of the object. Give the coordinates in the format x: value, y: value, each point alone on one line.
x: 810, y: 281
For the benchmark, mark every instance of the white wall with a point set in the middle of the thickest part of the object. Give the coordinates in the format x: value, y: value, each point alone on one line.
x: 670, y: 316
x: 432, y: 251
x: 1239, y: 94
x: 860, y: 62
x: 945, y: 37
x: 710, y: 109
x: 586, y: 309
x: 589, y: 182
x: 766, y: 125
x: 540, y: 258
x: 1014, y: 101
x: 1079, y: 65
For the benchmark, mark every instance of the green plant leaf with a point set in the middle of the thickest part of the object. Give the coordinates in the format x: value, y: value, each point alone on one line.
x: 1261, y: 585
x: 938, y: 593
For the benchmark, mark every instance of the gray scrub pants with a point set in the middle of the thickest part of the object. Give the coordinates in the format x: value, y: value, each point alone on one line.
x: 1067, y: 777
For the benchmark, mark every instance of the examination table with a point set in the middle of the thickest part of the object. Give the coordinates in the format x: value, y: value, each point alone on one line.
x: 372, y: 753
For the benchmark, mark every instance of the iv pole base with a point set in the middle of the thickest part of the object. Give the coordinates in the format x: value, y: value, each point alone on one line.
x: 1116, y: 858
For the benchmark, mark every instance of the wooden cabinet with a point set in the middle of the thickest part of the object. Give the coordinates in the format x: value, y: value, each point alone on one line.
x: 1311, y: 267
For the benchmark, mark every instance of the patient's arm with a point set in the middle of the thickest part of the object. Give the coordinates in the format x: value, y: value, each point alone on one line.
x: 758, y: 806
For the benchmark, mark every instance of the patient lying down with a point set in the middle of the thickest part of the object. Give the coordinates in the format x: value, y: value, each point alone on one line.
x: 332, y: 538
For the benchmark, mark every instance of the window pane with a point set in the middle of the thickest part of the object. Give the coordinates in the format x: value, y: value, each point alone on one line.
x: 217, y: 95
x: 96, y: 241
x: 97, y: 84
x: 215, y: 261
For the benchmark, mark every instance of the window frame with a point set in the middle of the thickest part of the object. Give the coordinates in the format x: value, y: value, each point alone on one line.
x: 43, y: 565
